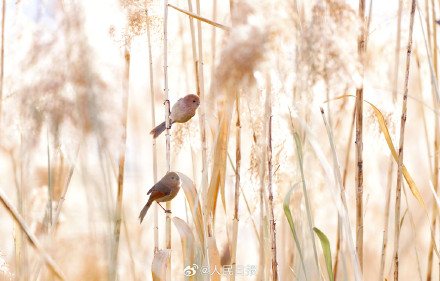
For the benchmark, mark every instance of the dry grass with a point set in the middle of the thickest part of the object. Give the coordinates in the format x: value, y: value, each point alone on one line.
x: 76, y: 158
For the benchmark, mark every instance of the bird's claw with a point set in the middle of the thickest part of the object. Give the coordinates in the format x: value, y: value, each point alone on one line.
x: 168, y: 211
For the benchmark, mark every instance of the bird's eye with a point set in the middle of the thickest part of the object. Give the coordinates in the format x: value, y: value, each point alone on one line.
x: 194, y: 100
x: 172, y: 178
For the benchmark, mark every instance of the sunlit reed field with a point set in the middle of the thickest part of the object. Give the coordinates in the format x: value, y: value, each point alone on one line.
x: 314, y: 153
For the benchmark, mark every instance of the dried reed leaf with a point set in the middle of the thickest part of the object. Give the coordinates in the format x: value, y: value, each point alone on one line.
x: 292, y: 226
x: 326, y: 250
x: 220, y: 155
x: 214, y: 260
x: 188, y: 242
x: 160, y: 264
x: 190, y: 191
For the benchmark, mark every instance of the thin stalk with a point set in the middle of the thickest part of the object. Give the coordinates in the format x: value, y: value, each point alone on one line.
x: 19, y: 236
x: 130, y: 249
x: 49, y: 182
x: 397, y: 52
x: 121, y: 170
x: 64, y: 192
x: 386, y: 219
x: 401, y: 142
x: 436, y: 124
x: 194, y: 48
x: 262, y: 273
x: 194, y: 55
x: 245, y: 201
x: 153, y: 123
x: 202, y: 120
x: 237, y: 185
x: 261, y: 267
x: 433, y: 171
x: 359, y: 144
x: 201, y: 93
x: 167, y: 124
x: 413, y: 227
x: 344, y: 178
x: 269, y: 170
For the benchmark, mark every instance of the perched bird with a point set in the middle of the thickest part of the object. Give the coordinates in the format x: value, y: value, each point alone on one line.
x: 164, y: 190
x: 183, y: 110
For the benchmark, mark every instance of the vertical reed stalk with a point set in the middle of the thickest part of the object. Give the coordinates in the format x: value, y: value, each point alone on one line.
x: 260, y: 276
x: 436, y: 124
x: 386, y: 219
x: 434, y: 72
x: 49, y: 183
x: 64, y: 192
x: 425, y: 125
x: 262, y: 251
x: 196, y: 75
x: 401, y: 142
x: 436, y: 168
x: 397, y: 52
x: 201, y: 93
x: 167, y: 124
x: 359, y: 144
x: 344, y: 178
x: 119, y: 196
x: 153, y: 123
x: 269, y: 171
x: 237, y: 185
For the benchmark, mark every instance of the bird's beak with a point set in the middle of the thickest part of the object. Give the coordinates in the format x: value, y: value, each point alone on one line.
x: 198, y: 103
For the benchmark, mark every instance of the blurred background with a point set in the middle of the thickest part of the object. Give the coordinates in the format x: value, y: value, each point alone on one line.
x: 80, y: 94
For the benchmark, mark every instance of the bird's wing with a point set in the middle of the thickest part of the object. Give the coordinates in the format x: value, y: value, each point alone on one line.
x: 161, y: 188
x: 156, y: 194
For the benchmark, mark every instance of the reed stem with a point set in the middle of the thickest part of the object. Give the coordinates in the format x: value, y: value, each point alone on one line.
x: 153, y: 123
x: 401, y: 142
x: 359, y: 178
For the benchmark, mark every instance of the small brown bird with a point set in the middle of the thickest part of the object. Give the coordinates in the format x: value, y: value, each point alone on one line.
x: 183, y: 110
x: 164, y: 190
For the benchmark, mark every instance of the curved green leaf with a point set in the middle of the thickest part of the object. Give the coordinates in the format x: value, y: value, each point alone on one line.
x: 292, y: 226
x: 326, y: 250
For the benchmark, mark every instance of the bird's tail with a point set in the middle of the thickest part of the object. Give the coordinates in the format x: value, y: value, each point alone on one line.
x: 144, y: 210
x: 158, y: 130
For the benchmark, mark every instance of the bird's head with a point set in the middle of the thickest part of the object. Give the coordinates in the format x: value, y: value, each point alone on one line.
x: 192, y: 101
x: 172, y: 178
